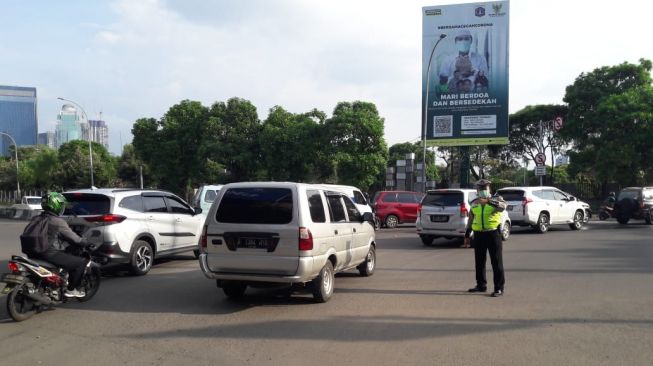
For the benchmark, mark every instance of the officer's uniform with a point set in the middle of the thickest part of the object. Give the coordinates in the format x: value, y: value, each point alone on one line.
x: 484, y: 221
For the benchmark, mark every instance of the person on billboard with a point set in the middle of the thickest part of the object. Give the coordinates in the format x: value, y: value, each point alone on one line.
x: 465, y: 65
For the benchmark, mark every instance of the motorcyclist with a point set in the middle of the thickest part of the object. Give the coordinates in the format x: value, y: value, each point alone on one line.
x: 610, y: 200
x: 60, y: 235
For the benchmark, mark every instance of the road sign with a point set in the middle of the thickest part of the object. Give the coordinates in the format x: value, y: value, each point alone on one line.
x: 540, y: 170
x: 540, y: 159
x: 557, y: 123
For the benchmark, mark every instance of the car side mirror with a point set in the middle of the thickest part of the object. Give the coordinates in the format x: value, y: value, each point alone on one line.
x: 198, y: 210
x: 367, y: 216
x: 572, y: 198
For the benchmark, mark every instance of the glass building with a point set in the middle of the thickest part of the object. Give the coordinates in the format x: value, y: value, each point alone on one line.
x: 18, y: 116
x: 69, y: 126
x: 99, y: 132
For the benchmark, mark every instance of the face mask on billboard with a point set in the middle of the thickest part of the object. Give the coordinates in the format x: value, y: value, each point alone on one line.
x: 464, y: 45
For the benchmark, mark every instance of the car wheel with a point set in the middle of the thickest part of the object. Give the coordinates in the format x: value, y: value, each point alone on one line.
x: 623, y: 220
x: 391, y: 221
x: 578, y: 221
x: 648, y: 219
x: 426, y: 239
x: 141, y: 259
x: 505, y: 231
x: 542, y: 225
x: 234, y: 289
x: 323, y: 283
x: 366, y: 268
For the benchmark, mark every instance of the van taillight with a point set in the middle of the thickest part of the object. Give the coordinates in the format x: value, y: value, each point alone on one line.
x: 524, y: 202
x: 203, y: 240
x: 305, y: 239
x: 106, y: 219
x: 464, y: 212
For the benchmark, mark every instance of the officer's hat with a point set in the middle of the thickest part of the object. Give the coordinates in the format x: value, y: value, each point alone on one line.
x: 482, y: 183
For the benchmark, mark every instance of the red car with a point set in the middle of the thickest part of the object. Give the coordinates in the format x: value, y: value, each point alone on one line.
x: 396, y: 207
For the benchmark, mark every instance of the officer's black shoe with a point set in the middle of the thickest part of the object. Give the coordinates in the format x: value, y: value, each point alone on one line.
x: 497, y: 293
x: 477, y: 289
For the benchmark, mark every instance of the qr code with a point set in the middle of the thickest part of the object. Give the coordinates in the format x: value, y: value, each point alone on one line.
x: 442, y: 126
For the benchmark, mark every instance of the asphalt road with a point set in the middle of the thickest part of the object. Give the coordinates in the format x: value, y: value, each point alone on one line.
x: 572, y: 298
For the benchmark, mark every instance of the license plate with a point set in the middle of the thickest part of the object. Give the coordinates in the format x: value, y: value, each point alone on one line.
x: 253, y: 243
x: 439, y: 218
x: 510, y: 208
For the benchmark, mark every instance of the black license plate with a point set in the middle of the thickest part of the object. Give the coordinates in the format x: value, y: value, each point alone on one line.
x: 253, y: 243
x: 439, y: 218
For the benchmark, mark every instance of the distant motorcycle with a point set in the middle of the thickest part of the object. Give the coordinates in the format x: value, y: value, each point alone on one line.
x: 606, y: 212
x: 35, y: 285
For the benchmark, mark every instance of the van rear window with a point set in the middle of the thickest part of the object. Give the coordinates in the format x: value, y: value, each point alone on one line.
x: 86, y: 204
x: 511, y: 195
x: 443, y: 199
x: 256, y: 206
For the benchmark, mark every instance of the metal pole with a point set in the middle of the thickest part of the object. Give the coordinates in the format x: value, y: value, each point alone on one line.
x: 90, y: 149
x: 16, y: 155
x: 426, y: 103
x: 140, y: 173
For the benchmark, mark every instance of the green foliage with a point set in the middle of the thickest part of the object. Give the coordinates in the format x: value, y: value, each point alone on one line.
x: 355, y: 132
x: 610, y: 123
x: 74, y: 161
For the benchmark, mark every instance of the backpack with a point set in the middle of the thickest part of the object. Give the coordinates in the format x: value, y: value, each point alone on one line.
x: 34, y: 239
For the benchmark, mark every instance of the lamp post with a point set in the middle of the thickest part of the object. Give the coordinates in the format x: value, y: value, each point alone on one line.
x: 90, y: 149
x: 16, y: 154
x: 426, y: 104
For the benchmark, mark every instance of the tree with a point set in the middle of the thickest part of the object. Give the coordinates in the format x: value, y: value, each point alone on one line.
x: 355, y: 132
x: 609, y: 123
x: 74, y: 161
x: 129, y: 169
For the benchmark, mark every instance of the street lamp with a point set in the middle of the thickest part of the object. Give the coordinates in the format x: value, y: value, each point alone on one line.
x: 16, y: 153
x: 426, y: 103
x: 90, y: 150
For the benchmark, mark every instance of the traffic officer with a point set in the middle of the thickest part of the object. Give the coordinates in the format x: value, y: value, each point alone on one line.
x: 484, y: 222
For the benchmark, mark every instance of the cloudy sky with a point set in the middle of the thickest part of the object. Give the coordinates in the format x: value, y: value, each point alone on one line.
x: 130, y: 59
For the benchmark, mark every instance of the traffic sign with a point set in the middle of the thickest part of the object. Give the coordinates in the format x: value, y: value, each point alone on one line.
x: 540, y: 170
x: 557, y: 123
x: 540, y: 159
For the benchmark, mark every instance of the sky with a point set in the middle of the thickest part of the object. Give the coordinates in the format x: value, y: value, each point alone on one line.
x: 131, y: 59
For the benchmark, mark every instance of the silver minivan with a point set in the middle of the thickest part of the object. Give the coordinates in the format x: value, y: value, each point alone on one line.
x: 445, y: 213
x: 259, y: 233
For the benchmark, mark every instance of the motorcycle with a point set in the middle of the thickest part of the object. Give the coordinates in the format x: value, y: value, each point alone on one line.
x: 36, y: 285
x: 606, y: 212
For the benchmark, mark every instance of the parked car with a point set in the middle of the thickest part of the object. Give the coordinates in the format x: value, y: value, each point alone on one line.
x: 28, y: 203
x: 205, y: 195
x: 445, y: 213
x: 541, y: 207
x: 397, y: 207
x: 634, y: 203
x: 133, y: 227
x: 264, y: 233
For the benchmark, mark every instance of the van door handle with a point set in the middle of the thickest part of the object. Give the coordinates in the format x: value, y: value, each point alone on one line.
x: 354, y: 229
x: 150, y: 218
x: 335, y: 232
x: 178, y: 219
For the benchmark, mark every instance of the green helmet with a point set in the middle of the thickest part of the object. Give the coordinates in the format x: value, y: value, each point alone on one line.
x: 53, y: 202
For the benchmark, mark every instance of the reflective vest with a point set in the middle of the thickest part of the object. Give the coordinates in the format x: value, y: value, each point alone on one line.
x: 486, y: 217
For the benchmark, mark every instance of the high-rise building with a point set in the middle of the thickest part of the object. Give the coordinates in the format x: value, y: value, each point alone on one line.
x: 69, y: 126
x: 46, y: 138
x: 99, y: 132
x: 18, y: 116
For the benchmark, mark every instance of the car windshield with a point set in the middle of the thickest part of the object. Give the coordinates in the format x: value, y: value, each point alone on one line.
x: 511, y: 195
x: 34, y: 201
x: 443, y: 199
x: 630, y: 193
x: 87, y: 204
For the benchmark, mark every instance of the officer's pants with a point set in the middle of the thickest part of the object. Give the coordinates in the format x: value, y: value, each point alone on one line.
x: 489, y: 241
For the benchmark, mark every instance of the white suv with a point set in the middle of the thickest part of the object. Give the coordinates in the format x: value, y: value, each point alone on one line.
x: 133, y: 227
x: 541, y: 207
x: 279, y: 232
x: 445, y: 213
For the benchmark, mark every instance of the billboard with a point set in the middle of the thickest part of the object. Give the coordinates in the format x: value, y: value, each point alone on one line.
x: 465, y: 74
